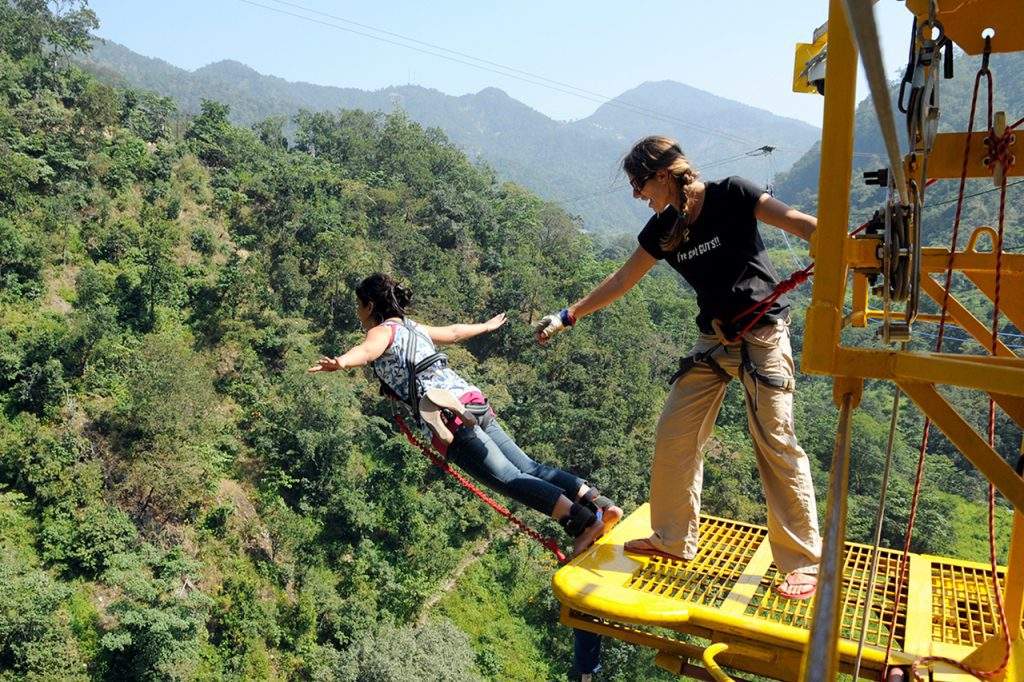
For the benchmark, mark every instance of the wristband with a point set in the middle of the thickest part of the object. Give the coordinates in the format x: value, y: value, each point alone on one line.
x: 566, y: 317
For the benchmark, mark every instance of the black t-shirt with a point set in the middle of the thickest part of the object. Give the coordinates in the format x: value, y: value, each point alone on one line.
x: 723, y: 259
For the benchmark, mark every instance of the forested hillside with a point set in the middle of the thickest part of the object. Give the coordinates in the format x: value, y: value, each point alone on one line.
x: 179, y: 500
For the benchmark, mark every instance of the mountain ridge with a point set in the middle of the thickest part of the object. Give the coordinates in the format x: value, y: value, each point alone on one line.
x: 575, y: 163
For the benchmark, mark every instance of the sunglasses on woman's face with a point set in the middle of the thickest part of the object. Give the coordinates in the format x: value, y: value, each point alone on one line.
x: 639, y: 183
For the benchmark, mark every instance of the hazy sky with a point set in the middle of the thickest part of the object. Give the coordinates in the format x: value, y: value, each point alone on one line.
x: 742, y: 50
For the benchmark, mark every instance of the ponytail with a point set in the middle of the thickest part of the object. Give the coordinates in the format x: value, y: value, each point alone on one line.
x: 386, y: 295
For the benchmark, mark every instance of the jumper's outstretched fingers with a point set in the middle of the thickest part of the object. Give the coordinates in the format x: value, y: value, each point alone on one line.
x: 326, y: 364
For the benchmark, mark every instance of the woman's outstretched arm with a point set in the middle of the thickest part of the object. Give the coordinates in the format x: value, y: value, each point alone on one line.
x: 454, y: 333
x: 372, y: 347
x: 615, y: 285
x: 612, y: 288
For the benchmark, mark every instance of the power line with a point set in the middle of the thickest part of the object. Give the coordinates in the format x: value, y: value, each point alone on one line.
x: 978, y: 194
x: 865, y: 216
x: 527, y: 77
x: 1001, y: 334
x: 754, y: 152
x: 961, y: 339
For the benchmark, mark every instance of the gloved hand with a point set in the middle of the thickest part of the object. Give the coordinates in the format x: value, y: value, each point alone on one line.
x: 549, y: 325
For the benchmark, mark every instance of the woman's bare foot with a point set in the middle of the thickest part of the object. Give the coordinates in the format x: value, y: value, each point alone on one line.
x: 610, y: 516
x: 797, y: 585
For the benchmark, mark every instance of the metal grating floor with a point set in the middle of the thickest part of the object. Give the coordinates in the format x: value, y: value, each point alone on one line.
x: 728, y: 590
x: 768, y: 605
x: 725, y: 549
x: 964, y: 608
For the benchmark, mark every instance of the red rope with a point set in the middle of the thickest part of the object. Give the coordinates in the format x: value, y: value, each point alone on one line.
x: 443, y: 465
x: 762, y: 306
x: 996, y: 587
x: 926, y: 431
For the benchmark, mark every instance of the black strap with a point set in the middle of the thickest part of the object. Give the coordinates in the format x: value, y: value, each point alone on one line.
x: 430, y: 361
x: 776, y: 381
x: 688, y: 362
x: 747, y: 365
x: 410, y: 368
x: 577, y: 520
x: 414, y: 368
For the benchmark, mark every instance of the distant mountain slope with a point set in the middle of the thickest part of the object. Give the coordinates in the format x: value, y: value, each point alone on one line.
x: 575, y: 163
x: 799, y: 186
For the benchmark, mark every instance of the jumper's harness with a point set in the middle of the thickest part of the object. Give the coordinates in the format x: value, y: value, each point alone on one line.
x: 414, y: 369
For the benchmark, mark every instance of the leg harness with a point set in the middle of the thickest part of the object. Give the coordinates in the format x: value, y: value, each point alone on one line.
x: 747, y: 366
x: 688, y: 362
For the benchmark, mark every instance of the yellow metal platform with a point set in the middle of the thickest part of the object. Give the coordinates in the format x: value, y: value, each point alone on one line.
x: 725, y: 595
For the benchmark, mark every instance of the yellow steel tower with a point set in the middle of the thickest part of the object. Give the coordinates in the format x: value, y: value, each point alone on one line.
x: 719, y: 608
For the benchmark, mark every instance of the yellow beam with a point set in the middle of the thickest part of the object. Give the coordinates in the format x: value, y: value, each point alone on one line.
x: 967, y: 441
x: 743, y: 591
x: 964, y: 318
x: 746, y: 654
x: 873, y: 314
x: 860, y: 253
x: 1011, y: 303
x: 825, y: 314
x: 1013, y: 406
x: 860, y: 301
x: 935, y: 259
x: 627, y: 634
x: 917, y: 633
x: 947, y: 157
x: 984, y: 373
x: 964, y: 22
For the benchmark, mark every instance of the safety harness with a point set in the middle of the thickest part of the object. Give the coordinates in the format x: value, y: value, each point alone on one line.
x: 747, y: 367
x: 581, y: 514
x: 757, y: 311
x: 413, y: 369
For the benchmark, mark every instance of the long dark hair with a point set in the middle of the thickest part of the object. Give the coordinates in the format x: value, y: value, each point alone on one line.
x: 385, y: 294
x: 655, y: 153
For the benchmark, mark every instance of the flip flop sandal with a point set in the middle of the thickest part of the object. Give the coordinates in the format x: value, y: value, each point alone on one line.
x: 650, y: 550
x: 808, y: 589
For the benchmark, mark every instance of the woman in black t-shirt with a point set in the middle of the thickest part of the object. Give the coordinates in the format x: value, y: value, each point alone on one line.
x: 707, y: 231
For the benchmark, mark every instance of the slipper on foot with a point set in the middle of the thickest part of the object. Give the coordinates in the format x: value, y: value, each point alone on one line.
x: 790, y: 589
x: 645, y: 547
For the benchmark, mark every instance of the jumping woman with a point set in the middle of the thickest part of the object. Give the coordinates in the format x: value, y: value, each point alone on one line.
x: 455, y: 413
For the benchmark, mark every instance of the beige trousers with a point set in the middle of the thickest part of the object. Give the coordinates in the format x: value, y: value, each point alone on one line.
x: 686, y: 423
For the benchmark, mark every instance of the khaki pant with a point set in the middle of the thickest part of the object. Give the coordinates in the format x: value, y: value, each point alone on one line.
x: 685, y: 425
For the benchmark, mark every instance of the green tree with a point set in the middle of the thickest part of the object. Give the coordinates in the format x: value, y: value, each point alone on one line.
x: 438, y: 650
x: 160, y: 616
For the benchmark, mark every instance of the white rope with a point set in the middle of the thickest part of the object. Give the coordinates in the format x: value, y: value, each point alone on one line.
x: 861, y: 16
x: 879, y: 516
